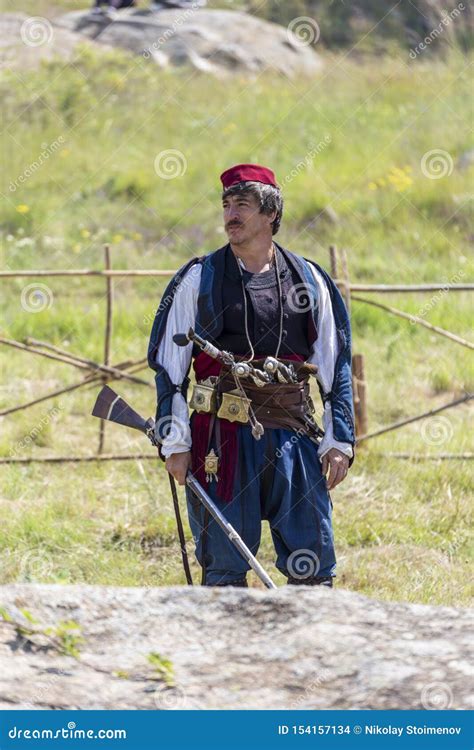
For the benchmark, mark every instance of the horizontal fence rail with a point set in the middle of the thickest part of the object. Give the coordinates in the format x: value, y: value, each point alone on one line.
x: 383, y: 288
x: 97, y: 373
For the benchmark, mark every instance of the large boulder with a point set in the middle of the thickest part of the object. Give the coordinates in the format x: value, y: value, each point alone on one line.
x: 26, y: 41
x: 204, y: 648
x: 214, y: 41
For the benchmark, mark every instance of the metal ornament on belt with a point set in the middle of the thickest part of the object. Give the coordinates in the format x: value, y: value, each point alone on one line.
x: 211, y: 466
x: 284, y: 373
x: 204, y: 397
x: 234, y: 407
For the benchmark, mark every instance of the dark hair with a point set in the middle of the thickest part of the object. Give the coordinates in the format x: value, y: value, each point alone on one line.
x: 269, y: 197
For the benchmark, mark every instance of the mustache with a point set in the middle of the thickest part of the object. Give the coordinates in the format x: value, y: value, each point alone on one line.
x: 233, y: 224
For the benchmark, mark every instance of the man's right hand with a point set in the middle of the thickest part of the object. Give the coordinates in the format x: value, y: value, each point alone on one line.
x: 178, y: 465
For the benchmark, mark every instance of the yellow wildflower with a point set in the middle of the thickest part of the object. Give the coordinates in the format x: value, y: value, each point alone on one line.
x: 22, y: 208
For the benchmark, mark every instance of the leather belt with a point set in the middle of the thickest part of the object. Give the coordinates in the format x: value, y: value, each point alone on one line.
x: 275, y: 405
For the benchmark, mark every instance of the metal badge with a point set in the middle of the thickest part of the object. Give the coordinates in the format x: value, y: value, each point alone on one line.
x: 203, y: 398
x: 234, y: 407
x: 211, y: 465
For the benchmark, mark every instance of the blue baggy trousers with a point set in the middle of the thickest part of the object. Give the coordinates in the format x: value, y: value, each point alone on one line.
x: 277, y: 478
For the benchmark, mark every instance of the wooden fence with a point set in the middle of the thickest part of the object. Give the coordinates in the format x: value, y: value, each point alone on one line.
x: 98, y: 373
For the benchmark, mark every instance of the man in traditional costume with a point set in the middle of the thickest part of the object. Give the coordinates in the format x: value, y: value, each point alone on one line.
x: 252, y: 441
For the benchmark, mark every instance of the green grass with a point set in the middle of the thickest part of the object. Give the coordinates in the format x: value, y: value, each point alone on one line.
x: 401, y: 526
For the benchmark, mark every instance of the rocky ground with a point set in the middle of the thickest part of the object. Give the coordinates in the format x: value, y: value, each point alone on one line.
x: 88, y: 647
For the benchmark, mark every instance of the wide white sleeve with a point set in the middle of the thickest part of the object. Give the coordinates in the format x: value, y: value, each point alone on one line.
x: 176, y: 359
x: 324, y: 354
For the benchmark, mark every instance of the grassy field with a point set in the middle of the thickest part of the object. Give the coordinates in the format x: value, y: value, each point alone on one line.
x: 350, y: 150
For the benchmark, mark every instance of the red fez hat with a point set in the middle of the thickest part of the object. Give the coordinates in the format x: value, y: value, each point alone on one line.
x: 245, y: 172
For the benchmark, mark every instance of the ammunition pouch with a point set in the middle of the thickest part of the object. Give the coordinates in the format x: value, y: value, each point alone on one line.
x: 204, y: 396
x: 286, y: 405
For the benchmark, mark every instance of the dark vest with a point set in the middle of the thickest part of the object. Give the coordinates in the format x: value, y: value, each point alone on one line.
x: 213, y: 305
x: 263, y: 311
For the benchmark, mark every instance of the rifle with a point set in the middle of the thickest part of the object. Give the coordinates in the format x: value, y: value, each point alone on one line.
x: 110, y: 406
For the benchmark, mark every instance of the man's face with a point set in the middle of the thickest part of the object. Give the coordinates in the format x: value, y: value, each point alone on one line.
x: 242, y: 220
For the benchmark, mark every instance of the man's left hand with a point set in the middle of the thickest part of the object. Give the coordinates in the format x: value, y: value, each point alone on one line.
x: 338, y: 465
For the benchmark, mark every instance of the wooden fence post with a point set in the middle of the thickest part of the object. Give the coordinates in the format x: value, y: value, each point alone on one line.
x: 340, y: 271
x: 346, y: 288
x: 360, y: 395
x: 333, y: 260
x: 108, y: 334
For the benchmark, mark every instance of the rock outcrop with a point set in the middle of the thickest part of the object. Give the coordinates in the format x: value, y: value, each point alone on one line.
x: 213, y: 41
x: 89, y: 647
x: 26, y: 41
